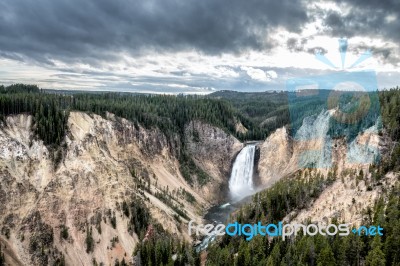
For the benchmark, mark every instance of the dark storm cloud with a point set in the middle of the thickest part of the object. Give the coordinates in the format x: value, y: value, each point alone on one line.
x: 299, y: 45
x: 356, y: 23
x: 366, y: 18
x: 98, y: 30
x: 317, y: 50
x: 384, y: 53
x: 295, y: 44
x: 369, y: 18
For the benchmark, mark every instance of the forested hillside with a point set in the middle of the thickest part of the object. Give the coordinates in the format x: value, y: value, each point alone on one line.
x: 260, y: 114
x: 264, y: 111
x: 168, y: 113
x: 314, y: 250
x: 295, y: 193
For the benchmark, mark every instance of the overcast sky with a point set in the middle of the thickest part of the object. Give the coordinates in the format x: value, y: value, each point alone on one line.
x: 192, y: 46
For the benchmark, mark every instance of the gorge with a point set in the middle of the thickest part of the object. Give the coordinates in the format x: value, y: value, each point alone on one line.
x: 114, y: 186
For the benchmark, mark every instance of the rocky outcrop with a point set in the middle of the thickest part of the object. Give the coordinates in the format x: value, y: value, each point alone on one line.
x: 345, y: 200
x: 282, y: 153
x: 275, y: 154
x: 239, y: 128
x: 104, y: 162
x: 214, y: 151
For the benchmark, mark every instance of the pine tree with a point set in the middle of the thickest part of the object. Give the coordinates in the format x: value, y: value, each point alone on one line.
x: 89, y: 239
x: 375, y: 256
x: 326, y: 257
x: 2, y: 260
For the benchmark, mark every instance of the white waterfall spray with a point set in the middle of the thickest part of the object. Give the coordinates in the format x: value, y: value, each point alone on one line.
x: 241, y: 180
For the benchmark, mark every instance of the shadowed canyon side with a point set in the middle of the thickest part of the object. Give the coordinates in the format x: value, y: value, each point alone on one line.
x: 106, y: 165
x: 213, y: 150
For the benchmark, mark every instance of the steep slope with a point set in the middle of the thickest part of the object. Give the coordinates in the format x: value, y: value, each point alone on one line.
x: 346, y: 199
x: 213, y: 150
x: 282, y: 154
x: 354, y: 189
x: 74, y: 211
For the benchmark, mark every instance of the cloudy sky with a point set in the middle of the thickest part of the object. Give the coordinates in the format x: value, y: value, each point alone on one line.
x: 192, y: 46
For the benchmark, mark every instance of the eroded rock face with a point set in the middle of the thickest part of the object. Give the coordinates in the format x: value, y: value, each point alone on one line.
x: 282, y: 154
x: 345, y: 200
x: 214, y: 151
x: 104, y: 162
x: 275, y: 155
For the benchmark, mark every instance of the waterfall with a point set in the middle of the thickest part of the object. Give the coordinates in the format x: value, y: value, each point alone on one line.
x: 240, y: 186
x: 241, y: 180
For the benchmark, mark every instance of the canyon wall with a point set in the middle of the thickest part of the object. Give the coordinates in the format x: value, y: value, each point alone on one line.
x: 103, y: 163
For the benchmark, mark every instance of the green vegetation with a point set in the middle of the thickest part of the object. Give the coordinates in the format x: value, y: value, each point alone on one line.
x: 157, y: 246
x: 169, y: 200
x: 269, y: 206
x: 261, y: 112
x: 138, y: 214
x: 49, y: 111
x: 188, y: 169
x: 390, y: 110
x: 162, y: 249
x: 291, y: 195
x: 5, y: 230
x: 187, y: 195
x: 2, y: 259
x: 168, y: 113
x: 113, y: 241
x: 41, y: 240
x: 122, y: 263
x: 89, y: 241
x: 313, y: 250
x: 64, y: 232
x: 113, y: 220
x: 287, y: 195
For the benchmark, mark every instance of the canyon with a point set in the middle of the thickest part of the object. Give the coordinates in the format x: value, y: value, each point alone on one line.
x: 107, y: 161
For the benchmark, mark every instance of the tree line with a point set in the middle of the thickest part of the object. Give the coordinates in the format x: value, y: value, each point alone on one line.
x: 293, y: 194
x: 168, y: 113
x: 288, y: 195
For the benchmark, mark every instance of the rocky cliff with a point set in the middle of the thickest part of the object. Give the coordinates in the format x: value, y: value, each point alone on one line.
x: 54, y: 202
x: 214, y: 151
x: 282, y: 155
